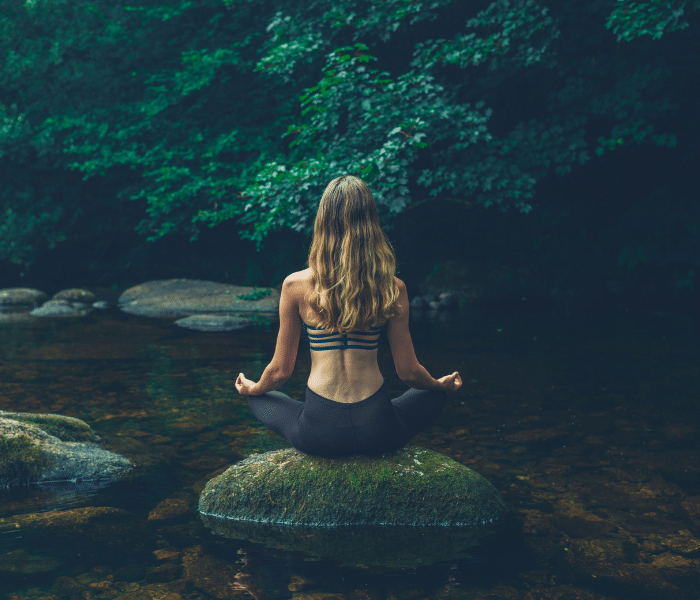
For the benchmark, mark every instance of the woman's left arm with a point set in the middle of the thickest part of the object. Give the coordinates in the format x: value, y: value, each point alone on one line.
x: 281, y: 366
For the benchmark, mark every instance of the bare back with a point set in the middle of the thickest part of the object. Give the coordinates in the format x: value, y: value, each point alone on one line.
x: 343, y: 374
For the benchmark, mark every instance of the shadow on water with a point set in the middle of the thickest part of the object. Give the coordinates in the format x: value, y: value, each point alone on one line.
x: 588, y: 428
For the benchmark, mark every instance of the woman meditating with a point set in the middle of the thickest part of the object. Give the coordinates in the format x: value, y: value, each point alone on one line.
x: 343, y: 300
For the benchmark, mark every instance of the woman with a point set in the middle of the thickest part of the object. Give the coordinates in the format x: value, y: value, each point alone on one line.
x: 348, y: 293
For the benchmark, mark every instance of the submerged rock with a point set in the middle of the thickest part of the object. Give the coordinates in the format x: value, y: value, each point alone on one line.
x: 182, y: 297
x: 20, y: 562
x: 171, y: 508
x: 21, y: 298
x: 92, y: 530
x: 76, y: 520
x: 214, y: 322
x: 37, y: 448
x: 692, y: 509
x: 215, y: 577
x: 412, y: 486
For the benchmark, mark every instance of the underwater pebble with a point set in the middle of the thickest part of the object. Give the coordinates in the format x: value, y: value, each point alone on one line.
x: 298, y: 583
x: 209, y: 574
x: 65, y: 586
x: 170, y: 508
x: 88, y: 578
x: 166, y: 554
x: 163, y: 573
x: 318, y: 596
x: 152, y: 591
x: 561, y: 592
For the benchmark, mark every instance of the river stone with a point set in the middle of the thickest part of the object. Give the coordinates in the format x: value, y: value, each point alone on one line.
x: 21, y: 298
x: 52, y: 448
x: 412, y: 486
x: 184, y: 297
x: 75, y: 295
x: 60, y: 308
x: 213, y: 322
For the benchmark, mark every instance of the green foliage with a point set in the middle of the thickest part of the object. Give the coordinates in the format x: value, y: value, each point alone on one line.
x: 16, y: 231
x: 256, y: 294
x: 202, y: 111
x: 663, y: 229
x: 630, y: 20
x: 380, y: 125
x: 685, y: 279
x: 518, y: 34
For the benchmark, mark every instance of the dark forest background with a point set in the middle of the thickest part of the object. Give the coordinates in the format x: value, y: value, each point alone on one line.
x: 542, y: 150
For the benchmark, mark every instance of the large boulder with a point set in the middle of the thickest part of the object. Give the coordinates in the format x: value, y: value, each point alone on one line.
x: 412, y: 486
x: 183, y: 297
x: 37, y: 448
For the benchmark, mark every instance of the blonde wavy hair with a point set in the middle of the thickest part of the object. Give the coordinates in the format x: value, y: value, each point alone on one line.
x: 352, y: 260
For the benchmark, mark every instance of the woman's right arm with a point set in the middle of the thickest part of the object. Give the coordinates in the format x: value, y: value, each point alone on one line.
x: 409, y: 370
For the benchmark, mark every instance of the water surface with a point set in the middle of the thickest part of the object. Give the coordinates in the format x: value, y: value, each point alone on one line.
x: 587, y: 427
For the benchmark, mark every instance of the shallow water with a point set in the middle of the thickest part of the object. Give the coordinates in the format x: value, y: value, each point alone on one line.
x: 588, y: 428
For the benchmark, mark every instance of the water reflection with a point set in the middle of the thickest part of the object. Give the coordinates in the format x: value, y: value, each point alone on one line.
x: 377, y: 546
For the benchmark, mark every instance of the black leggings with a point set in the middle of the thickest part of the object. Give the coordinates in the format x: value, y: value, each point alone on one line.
x: 324, y: 427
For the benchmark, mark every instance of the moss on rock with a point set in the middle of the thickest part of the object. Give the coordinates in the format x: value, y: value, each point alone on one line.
x: 412, y: 486
x: 20, y: 461
x: 66, y: 429
x: 37, y: 448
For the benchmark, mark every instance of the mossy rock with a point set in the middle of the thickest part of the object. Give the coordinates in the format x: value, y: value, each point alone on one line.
x: 20, y: 460
x: 412, y: 486
x: 38, y: 448
x: 66, y: 429
x: 184, y: 297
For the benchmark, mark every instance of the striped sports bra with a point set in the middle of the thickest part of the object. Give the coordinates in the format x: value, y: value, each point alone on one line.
x: 368, y: 340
